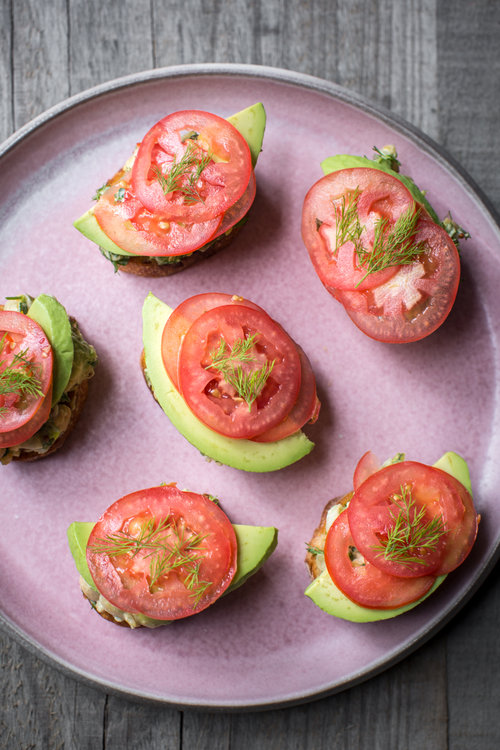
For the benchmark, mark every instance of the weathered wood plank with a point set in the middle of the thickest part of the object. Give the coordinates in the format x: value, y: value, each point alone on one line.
x: 40, y: 57
x: 141, y: 726
x: 469, y: 110
x: 108, y: 40
x: 42, y: 708
x: 469, y: 88
x: 6, y: 114
x: 473, y: 660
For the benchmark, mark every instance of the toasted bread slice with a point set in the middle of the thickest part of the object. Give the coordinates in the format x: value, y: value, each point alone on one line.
x: 315, y: 559
x: 77, y: 398
x: 148, y: 267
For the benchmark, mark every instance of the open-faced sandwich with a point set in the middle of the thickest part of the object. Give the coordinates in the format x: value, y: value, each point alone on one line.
x: 182, y: 195
x: 385, y: 546
x: 45, y: 366
x: 230, y: 379
x: 162, y: 554
x: 379, y: 248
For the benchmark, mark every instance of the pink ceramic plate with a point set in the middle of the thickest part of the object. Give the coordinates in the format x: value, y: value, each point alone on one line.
x: 266, y: 644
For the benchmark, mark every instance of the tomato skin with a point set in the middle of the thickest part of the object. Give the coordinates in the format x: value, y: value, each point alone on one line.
x: 380, y: 195
x: 431, y: 281
x: 372, y: 511
x: 367, y: 584
x: 305, y: 409
x: 135, y: 229
x: 220, y: 184
x: 124, y: 582
x: 25, y: 415
x: 184, y: 315
x: 238, y: 210
x: 204, y: 388
x: 367, y: 465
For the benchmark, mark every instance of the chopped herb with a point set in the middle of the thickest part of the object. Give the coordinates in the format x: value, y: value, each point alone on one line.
x: 228, y: 361
x: 120, y: 195
x: 100, y: 191
x: 314, y: 550
x: 184, y: 174
x: 410, y: 533
x: 20, y: 377
x: 170, y: 548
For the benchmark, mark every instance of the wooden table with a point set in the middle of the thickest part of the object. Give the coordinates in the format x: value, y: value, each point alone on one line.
x: 437, y: 64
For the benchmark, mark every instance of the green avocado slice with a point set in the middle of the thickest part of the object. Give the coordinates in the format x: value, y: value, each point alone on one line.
x: 347, y: 161
x: 255, y: 545
x: 251, y: 123
x: 241, y: 454
x: 51, y: 315
x: 325, y: 594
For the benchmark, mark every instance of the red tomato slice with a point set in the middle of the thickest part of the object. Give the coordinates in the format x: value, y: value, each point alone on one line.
x: 181, y: 319
x: 189, y: 563
x: 208, y: 155
x: 374, y: 195
x: 236, y: 212
x: 24, y: 350
x: 212, y: 396
x: 305, y: 409
x: 417, y: 300
x: 396, y: 494
x: 362, y: 582
x: 368, y: 464
x: 124, y: 219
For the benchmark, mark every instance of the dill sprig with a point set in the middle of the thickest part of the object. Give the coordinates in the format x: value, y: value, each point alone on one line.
x: 229, y: 362
x: 395, y: 247
x: 391, y: 247
x: 410, y: 533
x: 313, y: 550
x: 185, y: 173
x: 348, y: 227
x: 169, y: 548
x: 20, y: 377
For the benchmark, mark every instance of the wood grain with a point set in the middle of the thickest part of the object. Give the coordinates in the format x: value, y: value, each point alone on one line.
x: 437, y: 65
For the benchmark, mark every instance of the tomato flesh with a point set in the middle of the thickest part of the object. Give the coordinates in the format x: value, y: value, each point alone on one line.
x: 181, y: 319
x: 417, y: 300
x: 208, y: 392
x: 198, y: 194
x: 24, y: 349
x: 189, y: 563
x: 124, y: 219
x: 305, y: 409
x: 377, y: 196
x: 361, y: 581
x: 397, y: 494
x: 367, y: 465
x: 238, y: 210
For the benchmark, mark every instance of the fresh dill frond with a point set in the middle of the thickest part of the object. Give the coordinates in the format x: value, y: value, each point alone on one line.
x: 184, y: 174
x: 229, y: 362
x: 169, y: 548
x: 387, y: 156
x: 314, y: 550
x: 20, y: 377
x: 394, y: 247
x: 348, y: 227
x: 410, y: 533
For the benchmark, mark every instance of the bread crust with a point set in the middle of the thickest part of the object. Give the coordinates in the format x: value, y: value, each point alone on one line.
x: 77, y: 398
x: 315, y: 562
x: 108, y: 616
x: 148, y: 268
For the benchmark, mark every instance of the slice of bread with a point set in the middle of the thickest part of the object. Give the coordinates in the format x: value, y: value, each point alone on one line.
x: 315, y: 559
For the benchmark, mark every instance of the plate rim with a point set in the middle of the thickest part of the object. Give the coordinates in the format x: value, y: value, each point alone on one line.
x: 423, y: 142
x: 281, y: 75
